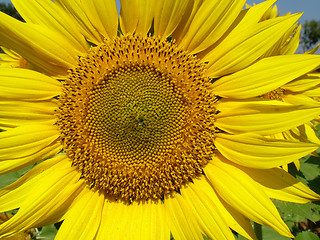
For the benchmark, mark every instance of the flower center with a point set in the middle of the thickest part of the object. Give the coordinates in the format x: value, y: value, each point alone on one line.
x: 276, y: 94
x: 136, y: 118
x: 135, y: 114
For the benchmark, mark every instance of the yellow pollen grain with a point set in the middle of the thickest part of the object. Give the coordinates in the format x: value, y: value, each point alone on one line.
x: 136, y: 118
x: 23, y: 63
x: 276, y: 94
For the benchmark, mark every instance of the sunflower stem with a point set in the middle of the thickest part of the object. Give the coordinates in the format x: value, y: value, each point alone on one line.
x: 258, y: 230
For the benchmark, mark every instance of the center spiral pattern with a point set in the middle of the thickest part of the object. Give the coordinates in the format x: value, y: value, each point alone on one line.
x: 137, y: 118
x: 135, y: 115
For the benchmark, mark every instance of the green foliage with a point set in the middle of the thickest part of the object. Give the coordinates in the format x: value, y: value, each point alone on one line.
x: 306, y: 236
x: 267, y: 234
x: 48, y: 232
x: 10, y: 10
x: 294, y: 212
x: 9, y: 178
x: 310, y: 34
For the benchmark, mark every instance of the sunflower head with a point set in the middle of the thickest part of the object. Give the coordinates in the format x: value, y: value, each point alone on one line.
x: 160, y: 120
x: 136, y: 117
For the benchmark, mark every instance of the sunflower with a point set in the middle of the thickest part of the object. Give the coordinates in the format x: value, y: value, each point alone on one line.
x: 146, y: 125
x: 10, y: 58
x: 289, y: 42
x: 298, y: 92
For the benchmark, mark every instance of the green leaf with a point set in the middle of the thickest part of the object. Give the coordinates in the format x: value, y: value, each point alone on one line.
x: 310, y: 167
x: 294, y: 212
x: 48, y: 232
x: 306, y: 236
x: 269, y: 234
x: 7, y: 179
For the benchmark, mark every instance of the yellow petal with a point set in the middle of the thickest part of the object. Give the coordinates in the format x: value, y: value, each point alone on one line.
x: 210, y: 22
x: 168, y: 15
x: 262, y: 117
x: 303, y: 83
x: 27, y: 144
x: 312, y: 51
x: 300, y: 99
x: 75, y: 10
x: 136, y: 16
x: 293, y: 43
x: 19, y: 163
x: 258, y: 152
x: 16, y: 113
x: 110, y: 228
x: 83, y: 219
x: 303, y: 133
x: 14, y: 194
x: 314, y: 92
x: 237, y: 52
x: 49, y: 51
x: 146, y: 15
x: 103, y: 15
x: 246, y: 196
x: 279, y: 184
x: 52, y: 197
x: 50, y: 15
x: 5, y: 57
x: 129, y: 15
x: 144, y: 220
x: 26, y: 140
x: 206, y: 214
x: 24, y: 84
x: 279, y: 48
x: 8, y: 61
x: 264, y: 76
x: 181, y: 221
x: 218, y: 206
x: 183, y: 27
x: 12, y: 54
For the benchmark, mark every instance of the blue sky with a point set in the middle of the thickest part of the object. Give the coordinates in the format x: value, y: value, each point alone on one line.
x: 309, y: 7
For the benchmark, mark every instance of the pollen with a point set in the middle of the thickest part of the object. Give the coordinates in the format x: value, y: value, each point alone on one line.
x: 136, y: 118
x: 276, y: 94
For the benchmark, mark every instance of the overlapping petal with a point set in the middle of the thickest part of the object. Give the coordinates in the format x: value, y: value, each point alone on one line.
x: 46, y: 49
x: 26, y: 85
x: 14, y: 113
x: 47, y: 204
x: 245, y: 195
x: 12, y: 196
x: 244, y: 46
x: 262, y: 116
x: 28, y: 144
x: 181, y: 221
x: 168, y: 15
x: 144, y: 220
x: 219, y: 208
x: 254, y: 151
x: 103, y: 15
x: 265, y: 75
x: 76, y: 11
x: 279, y: 184
x: 83, y: 219
x: 50, y: 15
x: 206, y: 213
x: 210, y: 22
x: 137, y: 16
